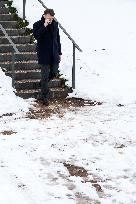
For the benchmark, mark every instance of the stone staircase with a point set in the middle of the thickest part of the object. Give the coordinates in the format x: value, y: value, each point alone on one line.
x: 27, y: 71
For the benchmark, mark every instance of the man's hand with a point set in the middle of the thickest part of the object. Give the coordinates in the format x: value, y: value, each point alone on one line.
x: 47, y: 22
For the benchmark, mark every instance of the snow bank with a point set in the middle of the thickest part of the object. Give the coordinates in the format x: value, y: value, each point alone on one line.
x: 106, y: 31
x: 9, y: 102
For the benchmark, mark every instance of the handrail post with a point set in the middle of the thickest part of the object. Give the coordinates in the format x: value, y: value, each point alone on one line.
x: 24, y: 4
x: 74, y: 66
x: 13, y: 69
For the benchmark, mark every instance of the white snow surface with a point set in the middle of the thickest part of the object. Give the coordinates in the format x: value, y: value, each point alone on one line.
x: 100, y: 139
x: 105, y: 30
x: 9, y: 102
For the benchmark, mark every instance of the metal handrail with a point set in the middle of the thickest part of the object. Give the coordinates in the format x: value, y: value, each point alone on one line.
x: 75, y: 45
x: 14, y: 50
x: 63, y: 29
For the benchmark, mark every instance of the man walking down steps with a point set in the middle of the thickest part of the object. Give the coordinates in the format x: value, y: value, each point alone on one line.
x: 46, y: 32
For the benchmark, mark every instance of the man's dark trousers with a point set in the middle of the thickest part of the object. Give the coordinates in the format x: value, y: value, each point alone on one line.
x: 48, y: 72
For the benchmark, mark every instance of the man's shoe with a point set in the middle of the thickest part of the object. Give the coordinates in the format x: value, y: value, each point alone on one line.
x: 46, y: 102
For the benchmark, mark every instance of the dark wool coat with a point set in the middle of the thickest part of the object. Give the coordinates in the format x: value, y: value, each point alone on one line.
x: 48, y: 42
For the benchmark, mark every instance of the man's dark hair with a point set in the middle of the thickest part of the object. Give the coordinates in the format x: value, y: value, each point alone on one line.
x: 49, y: 11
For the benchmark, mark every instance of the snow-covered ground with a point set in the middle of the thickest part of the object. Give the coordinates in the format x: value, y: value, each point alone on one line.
x: 100, y: 139
x: 33, y: 153
x: 105, y: 30
x: 8, y: 101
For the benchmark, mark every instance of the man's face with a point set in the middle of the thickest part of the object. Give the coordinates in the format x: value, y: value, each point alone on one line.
x: 49, y: 17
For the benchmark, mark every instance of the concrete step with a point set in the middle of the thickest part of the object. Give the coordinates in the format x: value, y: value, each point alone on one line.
x: 9, y: 24
x: 36, y: 84
x: 13, y: 32
x: 2, y: 4
x: 21, y: 47
x: 16, y: 39
x: 36, y: 93
x: 6, y: 17
x: 29, y: 74
x: 24, y: 65
x: 4, y: 11
x: 25, y: 56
